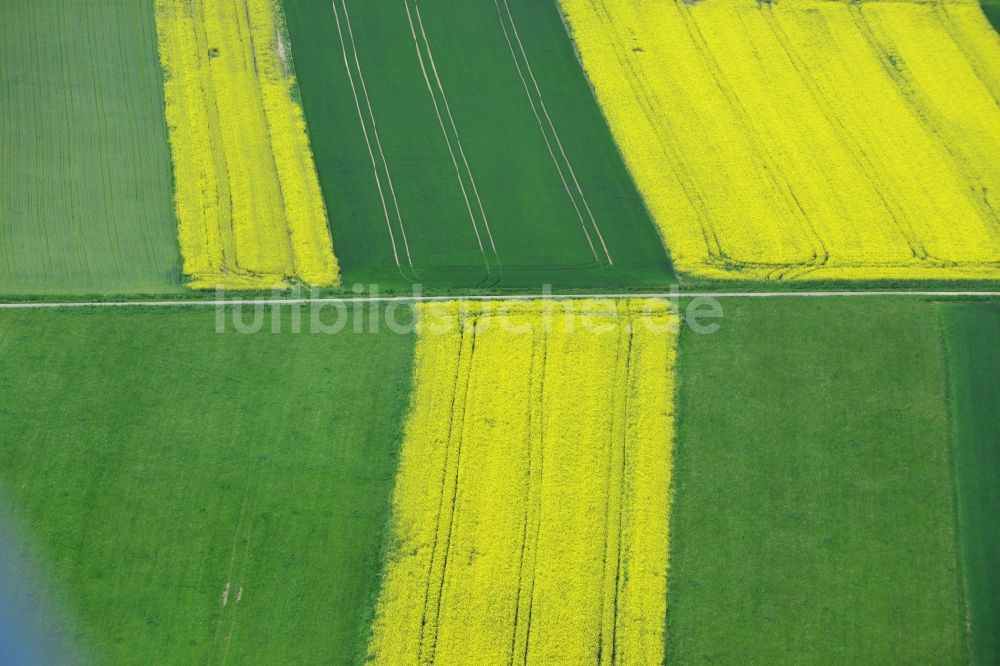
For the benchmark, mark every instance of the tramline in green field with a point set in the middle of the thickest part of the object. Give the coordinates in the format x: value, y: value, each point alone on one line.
x: 459, y: 145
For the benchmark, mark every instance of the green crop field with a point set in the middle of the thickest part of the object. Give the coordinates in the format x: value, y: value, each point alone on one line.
x: 972, y: 332
x: 813, y: 518
x: 153, y: 463
x: 992, y: 10
x: 464, y: 142
x: 84, y: 166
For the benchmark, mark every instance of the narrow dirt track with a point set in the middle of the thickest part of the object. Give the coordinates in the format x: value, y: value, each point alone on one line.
x: 508, y: 297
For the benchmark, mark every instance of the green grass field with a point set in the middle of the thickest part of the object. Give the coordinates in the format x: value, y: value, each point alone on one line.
x: 813, y: 516
x: 151, y: 461
x: 84, y: 166
x: 972, y: 333
x: 476, y: 155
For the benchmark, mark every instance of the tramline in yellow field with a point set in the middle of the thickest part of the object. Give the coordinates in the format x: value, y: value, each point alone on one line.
x: 807, y: 139
x: 249, y: 207
x: 531, y: 503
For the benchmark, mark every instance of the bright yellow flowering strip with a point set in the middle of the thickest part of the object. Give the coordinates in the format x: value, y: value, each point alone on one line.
x: 249, y: 207
x: 806, y: 139
x: 531, y: 504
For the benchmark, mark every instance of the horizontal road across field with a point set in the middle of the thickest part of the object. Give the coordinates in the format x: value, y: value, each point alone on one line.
x: 507, y: 297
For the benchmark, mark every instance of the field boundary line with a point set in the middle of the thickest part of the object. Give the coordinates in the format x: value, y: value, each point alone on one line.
x: 555, y: 133
x: 458, y: 139
x: 378, y: 139
x: 39, y: 305
x: 364, y: 129
x: 454, y: 127
x: 548, y: 144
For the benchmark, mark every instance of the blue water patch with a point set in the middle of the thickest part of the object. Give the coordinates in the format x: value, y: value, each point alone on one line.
x: 31, y: 623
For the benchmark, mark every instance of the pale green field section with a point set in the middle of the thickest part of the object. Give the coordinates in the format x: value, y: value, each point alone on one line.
x: 85, y: 179
x: 814, y: 517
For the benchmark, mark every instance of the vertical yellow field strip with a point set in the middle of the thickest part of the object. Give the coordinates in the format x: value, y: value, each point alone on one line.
x: 571, y: 573
x: 639, y: 617
x: 531, y: 503
x: 196, y: 192
x: 250, y: 211
x: 480, y: 577
x: 615, y: 494
x: 258, y: 225
x: 528, y: 561
x: 809, y: 139
x: 305, y: 212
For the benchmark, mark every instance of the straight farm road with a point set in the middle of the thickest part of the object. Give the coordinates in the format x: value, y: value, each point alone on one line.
x: 943, y: 294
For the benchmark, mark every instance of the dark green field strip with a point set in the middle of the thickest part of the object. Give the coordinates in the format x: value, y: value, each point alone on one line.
x: 153, y: 461
x: 992, y: 10
x: 813, y: 517
x: 494, y: 169
x: 85, y: 168
x: 972, y: 332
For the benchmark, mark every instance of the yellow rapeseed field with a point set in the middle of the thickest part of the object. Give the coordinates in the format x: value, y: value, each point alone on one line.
x: 806, y: 139
x: 531, y: 504
x: 249, y: 207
